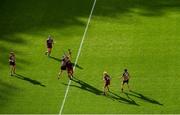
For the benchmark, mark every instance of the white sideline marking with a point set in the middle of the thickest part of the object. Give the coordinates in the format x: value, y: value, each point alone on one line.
x: 77, y: 57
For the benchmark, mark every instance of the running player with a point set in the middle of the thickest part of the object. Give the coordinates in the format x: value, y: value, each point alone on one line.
x: 49, y: 43
x: 69, y: 68
x: 107, y: 80
x: 12, y: 63
x: 63, y: 65
x: 125, y: 79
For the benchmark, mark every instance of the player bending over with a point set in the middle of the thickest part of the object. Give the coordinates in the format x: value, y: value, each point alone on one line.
x: 107, y: 80
x: 125, y: 79
x: 49, y: 43
x: 69, y: 68
x: 12, y: 63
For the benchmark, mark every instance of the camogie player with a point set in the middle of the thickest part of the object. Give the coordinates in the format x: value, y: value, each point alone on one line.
x: 49, y: 43
x: 63, y: 65
x: 12, y: 63
x: 107, y: 80
x: 69, y: 68
x: 125, y: 79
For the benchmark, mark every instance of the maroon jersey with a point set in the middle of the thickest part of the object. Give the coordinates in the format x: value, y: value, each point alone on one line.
x: 49, y: 42
x: 12, y: 58
x: 107, y: 78
x: 126, y: 76
x: 69, y: 65
x: 63, y: 63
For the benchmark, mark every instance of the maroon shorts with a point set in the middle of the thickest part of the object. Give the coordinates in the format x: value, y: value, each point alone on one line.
x: 49, y: 45
x: 70, y: 70
x: 107, y: 83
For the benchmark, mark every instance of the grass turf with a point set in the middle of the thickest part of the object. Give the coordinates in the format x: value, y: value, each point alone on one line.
x: 139, y: 35
x: 25, y: 26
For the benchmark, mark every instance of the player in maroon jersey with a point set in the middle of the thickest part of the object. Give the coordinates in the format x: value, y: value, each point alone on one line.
x: 12, y: 63
x: 63, y: 65
x: 49, y: 43
x: 69, y: 68
x: 107, y: 80
x: 125, y: 79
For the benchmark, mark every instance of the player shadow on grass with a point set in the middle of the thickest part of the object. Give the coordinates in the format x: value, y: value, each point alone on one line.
x: 59, y: 60
x: 123, y: 100
x: 141, y: 96
x: 34, y: 82
x: 87, y: 87
x: 76, y: 65
x: 55, y: 58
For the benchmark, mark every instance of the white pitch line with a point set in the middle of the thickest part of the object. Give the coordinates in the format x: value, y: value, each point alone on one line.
x: 77, y: 57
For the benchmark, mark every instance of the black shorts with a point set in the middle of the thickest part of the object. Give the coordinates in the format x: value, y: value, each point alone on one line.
x: 12, y: 63
x: 126, y: 81
x: 63, y: 67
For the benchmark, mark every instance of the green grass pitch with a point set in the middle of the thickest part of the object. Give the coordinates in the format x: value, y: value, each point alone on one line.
x: 141, y: 35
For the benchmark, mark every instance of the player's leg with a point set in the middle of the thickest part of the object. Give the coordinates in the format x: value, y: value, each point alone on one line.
x: 60, y: 72
x: 46, y: 52
x: 128, y: 85
x: 122, y: 86
x: 70, y: 77
x: 49, y: 51
x: 108, y: 84
x: 104, y: 90
x: 11, y: 70
x: 14, y: 69
x: 108, y: 88
x: 69, y: 74
x: 72, y: 72
x: 63, y: 68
